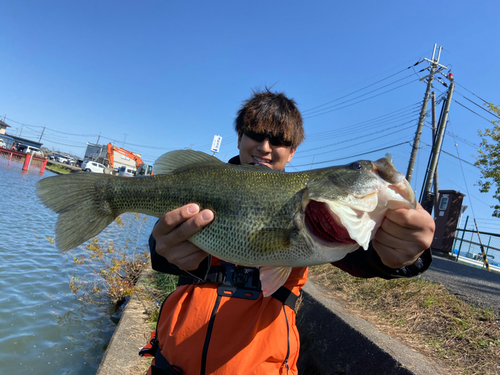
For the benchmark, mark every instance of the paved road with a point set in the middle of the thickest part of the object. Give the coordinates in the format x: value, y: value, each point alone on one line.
x: 474, y: 285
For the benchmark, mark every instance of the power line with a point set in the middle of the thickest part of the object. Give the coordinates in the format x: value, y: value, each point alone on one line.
x: 456, y: 157
x: 465, y: 180
x: 355, y: 139
x: 47, y: 128
x: 367, y: 123
x: 480, y: 106
x: 483, y: 100
x: 350, y: 156
x: 471, y: 110
x: 469, y: 143
x: 419, y: 58
x: 381, y: 126
x: 361, y: 89
x: 360, y: 101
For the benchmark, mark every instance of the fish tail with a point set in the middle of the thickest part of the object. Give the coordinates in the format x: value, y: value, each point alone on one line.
x: 79, y: 201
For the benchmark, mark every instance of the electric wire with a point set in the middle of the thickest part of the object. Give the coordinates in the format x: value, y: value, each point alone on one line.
x: 361, y: 89
x: 483, y: 100
x: 350, y: 130
x: 467, y: 142
x: 350, y: 156
x: 463, y: 175
x: 365, y: 124
x: 471, y: 110
x: 47, y: 128
x: 359, y: 101
x: 484, y: 109
x: 420, y: 60
x: 454, y: 156
x: 354, y: 139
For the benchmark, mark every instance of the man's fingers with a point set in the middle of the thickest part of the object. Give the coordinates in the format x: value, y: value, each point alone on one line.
x: 415, y: 226
x: 403, y: 236
x: 191, y: 226
x: 188, y: 257
x: 175, y: 217
x: 394, y: 258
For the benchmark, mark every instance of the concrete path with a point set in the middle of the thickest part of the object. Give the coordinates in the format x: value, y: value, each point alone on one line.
x: 474, y: 285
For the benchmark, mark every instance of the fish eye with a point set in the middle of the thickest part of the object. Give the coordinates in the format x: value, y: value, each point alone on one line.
x: 356, y: 166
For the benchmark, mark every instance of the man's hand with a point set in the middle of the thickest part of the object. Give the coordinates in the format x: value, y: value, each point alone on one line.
x: 403, y: 236
x: 173, y: 230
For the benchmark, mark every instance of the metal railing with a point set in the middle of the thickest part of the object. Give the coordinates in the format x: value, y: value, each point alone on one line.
x: 467, y: 247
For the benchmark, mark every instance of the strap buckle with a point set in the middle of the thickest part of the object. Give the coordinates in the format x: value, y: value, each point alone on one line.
x: 240, y: 282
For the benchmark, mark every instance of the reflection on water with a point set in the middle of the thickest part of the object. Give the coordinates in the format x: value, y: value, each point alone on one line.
x: 44, y: 329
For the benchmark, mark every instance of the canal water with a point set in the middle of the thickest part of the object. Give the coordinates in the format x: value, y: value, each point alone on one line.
x: 44, y: 328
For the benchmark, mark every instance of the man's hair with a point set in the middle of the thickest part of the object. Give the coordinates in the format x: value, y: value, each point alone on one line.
x: 271, y: 112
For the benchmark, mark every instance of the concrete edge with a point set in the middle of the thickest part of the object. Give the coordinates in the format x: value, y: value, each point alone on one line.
x: 336, y: 342
x: 131, y: 335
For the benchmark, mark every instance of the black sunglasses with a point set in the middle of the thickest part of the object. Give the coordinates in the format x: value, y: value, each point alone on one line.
x: 273, y: 140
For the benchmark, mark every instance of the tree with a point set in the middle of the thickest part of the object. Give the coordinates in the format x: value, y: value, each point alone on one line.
x: 489, y: 158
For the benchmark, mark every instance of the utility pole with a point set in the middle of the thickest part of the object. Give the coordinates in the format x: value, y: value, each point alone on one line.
x: 426, y: 200
x: 434, y: 133
x: 41, y: 135
x: 98, y: 139
x: 434, y: 66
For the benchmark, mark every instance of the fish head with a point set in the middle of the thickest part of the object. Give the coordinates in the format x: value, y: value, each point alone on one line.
x: 344, y: 206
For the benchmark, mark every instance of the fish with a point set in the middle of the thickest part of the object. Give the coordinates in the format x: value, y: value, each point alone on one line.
x: 270, y: 219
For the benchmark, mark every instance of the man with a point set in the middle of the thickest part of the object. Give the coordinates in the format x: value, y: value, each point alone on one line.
x: 204, y: 331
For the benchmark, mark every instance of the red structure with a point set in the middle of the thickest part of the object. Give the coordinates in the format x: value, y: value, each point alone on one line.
x: 28, y: 160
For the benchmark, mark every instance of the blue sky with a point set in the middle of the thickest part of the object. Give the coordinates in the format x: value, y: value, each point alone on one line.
x: 154, y: 76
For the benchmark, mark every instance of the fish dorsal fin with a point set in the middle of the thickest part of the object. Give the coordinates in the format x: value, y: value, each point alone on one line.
x: 175, y: 160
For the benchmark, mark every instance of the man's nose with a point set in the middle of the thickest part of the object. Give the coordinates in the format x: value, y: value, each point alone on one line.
x: 265, y: 146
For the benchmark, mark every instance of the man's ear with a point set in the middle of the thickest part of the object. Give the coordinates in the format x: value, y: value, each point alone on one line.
x: 292, y: 152
x: 240, y: 134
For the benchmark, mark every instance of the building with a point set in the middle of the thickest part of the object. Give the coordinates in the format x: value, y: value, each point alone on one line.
x: 3, y: 127
x: 9, y: 139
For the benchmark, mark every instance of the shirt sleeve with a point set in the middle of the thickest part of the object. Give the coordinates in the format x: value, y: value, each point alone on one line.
x: 161, y: 264
x: 367, y: 264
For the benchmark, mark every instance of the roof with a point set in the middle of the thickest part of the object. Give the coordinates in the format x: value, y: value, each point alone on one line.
x: 4, y: 124
x: 5, y: 136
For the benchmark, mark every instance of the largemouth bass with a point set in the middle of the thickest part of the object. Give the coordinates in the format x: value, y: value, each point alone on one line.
x: 265, y: 218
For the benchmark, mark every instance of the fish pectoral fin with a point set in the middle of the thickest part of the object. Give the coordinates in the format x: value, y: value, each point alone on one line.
x: 266, y: 241
x: 272, y: 278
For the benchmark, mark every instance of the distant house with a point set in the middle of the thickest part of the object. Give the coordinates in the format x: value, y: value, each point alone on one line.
x: 9, y: 139
x: 3, y: 127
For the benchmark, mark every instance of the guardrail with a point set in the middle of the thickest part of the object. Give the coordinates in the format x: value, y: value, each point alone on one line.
x: 469, y: 250
x: 28, y: 160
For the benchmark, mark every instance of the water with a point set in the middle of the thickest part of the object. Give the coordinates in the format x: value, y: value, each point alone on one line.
x: 44, y: 329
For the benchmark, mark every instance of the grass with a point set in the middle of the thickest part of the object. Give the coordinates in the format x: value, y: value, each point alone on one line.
x: 422, y: 314
x: 156, y: 287
x: 56, y: 168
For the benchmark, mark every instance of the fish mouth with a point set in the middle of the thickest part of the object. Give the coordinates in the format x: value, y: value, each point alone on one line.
x: 397, y: 182
x: 324, y: 224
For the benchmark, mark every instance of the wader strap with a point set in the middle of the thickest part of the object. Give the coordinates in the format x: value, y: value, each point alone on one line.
x: 162, y: 367
x: 286, y: 297
x: 250, y: 288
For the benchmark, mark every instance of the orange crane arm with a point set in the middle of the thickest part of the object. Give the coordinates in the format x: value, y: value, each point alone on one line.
x: 128, y: 154
x: 111, y: 157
